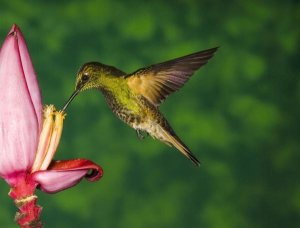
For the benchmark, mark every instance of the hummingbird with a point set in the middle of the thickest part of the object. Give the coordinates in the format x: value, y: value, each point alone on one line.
x: 135, y: 98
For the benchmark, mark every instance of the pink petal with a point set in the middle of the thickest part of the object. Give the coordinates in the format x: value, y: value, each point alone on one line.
x: 30, y: 75
x: 18, y: 121
x: 65, y: 174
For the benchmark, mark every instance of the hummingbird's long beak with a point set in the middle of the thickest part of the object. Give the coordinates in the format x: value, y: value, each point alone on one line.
x: 74, y: 94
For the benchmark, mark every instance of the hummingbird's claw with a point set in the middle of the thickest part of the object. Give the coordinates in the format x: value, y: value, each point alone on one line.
x: 139, y: 134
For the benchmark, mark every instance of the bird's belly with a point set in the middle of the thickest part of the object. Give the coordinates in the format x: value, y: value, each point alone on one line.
x: 152, y: 127
x: 129, y: 117
x: 140, y: 121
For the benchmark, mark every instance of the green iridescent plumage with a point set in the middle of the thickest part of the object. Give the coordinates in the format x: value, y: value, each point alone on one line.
x: 135, y: 97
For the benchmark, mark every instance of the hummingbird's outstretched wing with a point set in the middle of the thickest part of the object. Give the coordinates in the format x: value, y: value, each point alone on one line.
x: 157, y: 81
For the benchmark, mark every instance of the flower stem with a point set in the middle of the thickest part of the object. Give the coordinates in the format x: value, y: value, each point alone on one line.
x: 23, y: 195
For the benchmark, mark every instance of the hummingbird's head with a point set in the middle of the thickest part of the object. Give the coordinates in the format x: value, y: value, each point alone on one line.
x: 87, y: 78
x: 93, y: 75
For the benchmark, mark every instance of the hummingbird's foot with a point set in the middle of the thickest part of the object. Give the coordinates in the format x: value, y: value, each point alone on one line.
x: 140, y: 134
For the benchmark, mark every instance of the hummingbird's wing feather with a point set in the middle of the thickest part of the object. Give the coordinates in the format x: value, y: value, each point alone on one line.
x: 157, y: 81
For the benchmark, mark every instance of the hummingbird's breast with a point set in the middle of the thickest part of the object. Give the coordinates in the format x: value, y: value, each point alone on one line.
x: 137, y: 112
x: 126, y: 107
x: 134, y: 109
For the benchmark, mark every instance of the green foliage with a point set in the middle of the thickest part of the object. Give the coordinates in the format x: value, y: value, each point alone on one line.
x: 239, y: 114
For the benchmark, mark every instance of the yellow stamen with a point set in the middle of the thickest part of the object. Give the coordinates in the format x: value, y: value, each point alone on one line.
x: 49, y: 138
x: 54, y: 140
x: 45, y: 137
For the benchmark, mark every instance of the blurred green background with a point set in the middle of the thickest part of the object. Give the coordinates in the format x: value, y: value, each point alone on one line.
x: 239, y: 114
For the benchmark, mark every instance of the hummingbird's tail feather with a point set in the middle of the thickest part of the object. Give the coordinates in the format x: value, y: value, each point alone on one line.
x: 170, y: 138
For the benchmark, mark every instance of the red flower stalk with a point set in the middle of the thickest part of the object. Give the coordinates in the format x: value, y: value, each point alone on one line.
x: 28, y: 139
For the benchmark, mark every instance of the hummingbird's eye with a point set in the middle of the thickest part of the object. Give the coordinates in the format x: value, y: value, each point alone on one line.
x: 84, y: 78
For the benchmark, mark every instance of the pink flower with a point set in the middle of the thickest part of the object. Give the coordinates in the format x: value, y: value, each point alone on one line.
x: 28, y: 139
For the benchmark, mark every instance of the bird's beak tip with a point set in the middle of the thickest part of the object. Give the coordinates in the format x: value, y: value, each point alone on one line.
x: 74, y: 94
